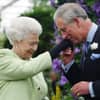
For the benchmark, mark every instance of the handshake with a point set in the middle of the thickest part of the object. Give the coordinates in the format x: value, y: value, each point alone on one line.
x: 64, y: 44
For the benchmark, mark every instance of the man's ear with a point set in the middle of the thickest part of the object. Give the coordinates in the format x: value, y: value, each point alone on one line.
x: 77, y: 21
x: 59, y: 22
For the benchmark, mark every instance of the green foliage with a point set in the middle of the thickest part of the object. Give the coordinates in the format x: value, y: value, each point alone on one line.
x: 2, y: 40
x: 92, y: 7
x: 44, y: 14
x: 90, y: 2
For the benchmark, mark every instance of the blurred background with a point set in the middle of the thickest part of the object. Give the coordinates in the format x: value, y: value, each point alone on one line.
x: 43, y: 11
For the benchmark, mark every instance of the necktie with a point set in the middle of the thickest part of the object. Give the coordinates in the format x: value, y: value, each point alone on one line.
x: 85, y: 48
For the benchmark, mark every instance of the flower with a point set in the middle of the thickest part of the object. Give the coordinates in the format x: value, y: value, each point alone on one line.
x: 63, y: 80
x: 77, y: 50
x: 96, y: 8
x: 52, y: 2
x: 56, y: 65
x: 58, y: 39
x: 94, y: 46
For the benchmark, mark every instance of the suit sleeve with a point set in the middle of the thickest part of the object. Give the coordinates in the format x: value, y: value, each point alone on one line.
x: 74, y: 74
x: 13, y: 68
x: 96, y: 88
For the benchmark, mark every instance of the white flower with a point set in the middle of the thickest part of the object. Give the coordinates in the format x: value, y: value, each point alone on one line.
x: 94, y: 46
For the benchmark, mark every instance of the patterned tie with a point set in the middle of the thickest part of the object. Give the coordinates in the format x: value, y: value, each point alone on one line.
x: 85, y: 48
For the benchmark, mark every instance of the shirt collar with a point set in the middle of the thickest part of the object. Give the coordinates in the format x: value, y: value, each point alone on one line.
x: 91, y: 32
x: 67, y: 66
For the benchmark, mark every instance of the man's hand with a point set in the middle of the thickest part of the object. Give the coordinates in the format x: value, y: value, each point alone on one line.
x: 64, y: 44
x: 80, y: 88
x: 67, y: 55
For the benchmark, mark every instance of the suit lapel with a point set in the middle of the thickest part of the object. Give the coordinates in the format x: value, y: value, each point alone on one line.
x: 96, y: 39
x: 89, y: 52
x: 97, y: 35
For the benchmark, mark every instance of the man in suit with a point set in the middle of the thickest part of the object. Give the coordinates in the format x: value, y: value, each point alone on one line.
x: 74, y: 24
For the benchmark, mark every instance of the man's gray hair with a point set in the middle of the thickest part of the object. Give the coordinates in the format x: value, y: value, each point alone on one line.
x: 69, y: 11
x: 21, y: 27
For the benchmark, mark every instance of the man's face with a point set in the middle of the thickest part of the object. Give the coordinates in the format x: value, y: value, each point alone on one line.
x: 70, y: 31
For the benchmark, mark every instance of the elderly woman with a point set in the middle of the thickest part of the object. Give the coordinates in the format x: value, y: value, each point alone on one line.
x: 21, y: 76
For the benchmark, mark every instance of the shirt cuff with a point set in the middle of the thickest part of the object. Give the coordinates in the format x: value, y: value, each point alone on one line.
x: 91, y: 90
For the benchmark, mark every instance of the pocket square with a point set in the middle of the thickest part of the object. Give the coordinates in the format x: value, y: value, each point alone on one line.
x: 95, y: 56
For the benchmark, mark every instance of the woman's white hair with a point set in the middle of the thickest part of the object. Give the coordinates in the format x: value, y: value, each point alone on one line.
x: 20, y: 27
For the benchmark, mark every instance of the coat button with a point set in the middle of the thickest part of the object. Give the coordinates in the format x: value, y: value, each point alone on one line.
x: 38, y: 88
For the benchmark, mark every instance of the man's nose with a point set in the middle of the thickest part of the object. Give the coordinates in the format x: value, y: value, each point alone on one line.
x: 64, y: 34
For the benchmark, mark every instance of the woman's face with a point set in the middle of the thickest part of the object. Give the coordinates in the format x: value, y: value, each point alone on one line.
x: 28, y: 46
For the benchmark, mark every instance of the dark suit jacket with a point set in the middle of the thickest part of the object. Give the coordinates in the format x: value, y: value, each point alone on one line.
x: 90, y: 71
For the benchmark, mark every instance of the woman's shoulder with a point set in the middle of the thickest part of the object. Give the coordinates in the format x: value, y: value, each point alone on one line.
x: 4, y: 52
